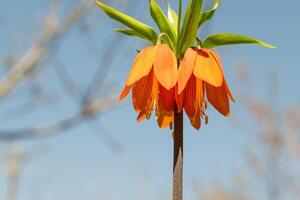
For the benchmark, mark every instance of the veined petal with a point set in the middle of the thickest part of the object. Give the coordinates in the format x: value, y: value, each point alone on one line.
x: 207, y: 68
x: 229, y: 92
x: 196, y: 119
x: 199, y: 92
x: 178, y: 99
x: 141, y: 116
x: 166, y: 98
x: 142, y: 65
x: 195, y: 113
x: 155, y: 89
x: 218, y: 59
x: 190, y: 97
x: 144, y: 114
x: 125, y: 92
x: 217, y: 96
x: 141, y: 92
x: 186, y: 68
x: 165, y: 66
x: 164, y: 118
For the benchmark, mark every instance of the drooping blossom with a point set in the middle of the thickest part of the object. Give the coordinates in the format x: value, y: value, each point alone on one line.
x: 152, y: 81
x: 201, y: 78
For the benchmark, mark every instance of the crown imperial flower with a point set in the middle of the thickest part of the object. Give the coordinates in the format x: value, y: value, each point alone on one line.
x: 152, y: 80
x: 200, y: 74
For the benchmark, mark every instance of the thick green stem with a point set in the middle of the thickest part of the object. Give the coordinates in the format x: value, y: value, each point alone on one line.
x: 178, y: 156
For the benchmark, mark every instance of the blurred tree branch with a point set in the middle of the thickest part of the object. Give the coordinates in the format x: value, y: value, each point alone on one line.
x: 53, y: 30
x: 90, y: 111
x: 93, y: 101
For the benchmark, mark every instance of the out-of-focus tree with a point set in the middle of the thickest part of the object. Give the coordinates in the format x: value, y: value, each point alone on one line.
x: 277, y: 150
x: 16, y: 159
x: 27, y: 77
x: 273, y: 153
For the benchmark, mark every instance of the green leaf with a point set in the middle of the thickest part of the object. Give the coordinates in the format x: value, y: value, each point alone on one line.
x: 131, y: 33
x: 221, y: 39
x: 207, y: 15
x: 162, y: 21
x: 173, y: 17
x: 189, y: 27
x: 139, y: 27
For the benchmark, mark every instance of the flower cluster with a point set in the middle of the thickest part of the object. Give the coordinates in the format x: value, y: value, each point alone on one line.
x: 156, y: 84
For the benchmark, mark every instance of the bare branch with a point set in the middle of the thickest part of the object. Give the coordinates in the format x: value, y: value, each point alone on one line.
x: 93, y: 109
x: 38, y: 51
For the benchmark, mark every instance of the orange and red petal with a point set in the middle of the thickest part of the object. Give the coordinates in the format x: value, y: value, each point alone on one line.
x: 164, y: 118
x: 166, y: 98
x: 178, y: 99
x: 165, y: 66
x: 186, y: 68
x: 229, y: 92
x: 207, y: 68
x: 196, y: 119
x: 142, y: 92
x: 142, y: 65
x: 190, y: 97
x: 218, y: 97
x: 199, y: 92
x: 125, y: 92
x: 218, y: 60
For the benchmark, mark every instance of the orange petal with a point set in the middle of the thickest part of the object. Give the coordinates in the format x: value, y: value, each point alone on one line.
x: 142, y: 65
x: 164, y: 118
x: 144, y: 114
x: 207, y: 68
x: 217, y: 96
x: 125, y: 92
x: 218, y: 59
x: 178, y: 99
x: 199, y: 92
x: 141, y: 116
x: 166, y: 98
x: 186, y: 68
x: 190, y: 97
x: 142, y: 92
x: 196, y: 120
x: 229, y: 92
x: 165, y: 66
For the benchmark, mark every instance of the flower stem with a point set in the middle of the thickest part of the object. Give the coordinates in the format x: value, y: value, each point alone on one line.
x: 178, y: 155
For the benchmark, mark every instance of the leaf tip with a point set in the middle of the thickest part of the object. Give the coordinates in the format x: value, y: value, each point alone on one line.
x: 267, y: 45
x: 99, y: 3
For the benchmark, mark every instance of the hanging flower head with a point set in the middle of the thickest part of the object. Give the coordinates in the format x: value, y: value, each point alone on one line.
x: 201, y: 75
x: 154, y: 80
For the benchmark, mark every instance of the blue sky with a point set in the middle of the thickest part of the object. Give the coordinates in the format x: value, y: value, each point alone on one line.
x: 79, y: 166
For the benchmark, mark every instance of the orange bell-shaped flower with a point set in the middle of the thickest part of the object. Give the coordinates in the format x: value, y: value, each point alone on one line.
x: 152, y: 81
x: 200, y: 73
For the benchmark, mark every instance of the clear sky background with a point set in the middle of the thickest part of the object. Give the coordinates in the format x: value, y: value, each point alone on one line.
x: 79, y: 166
